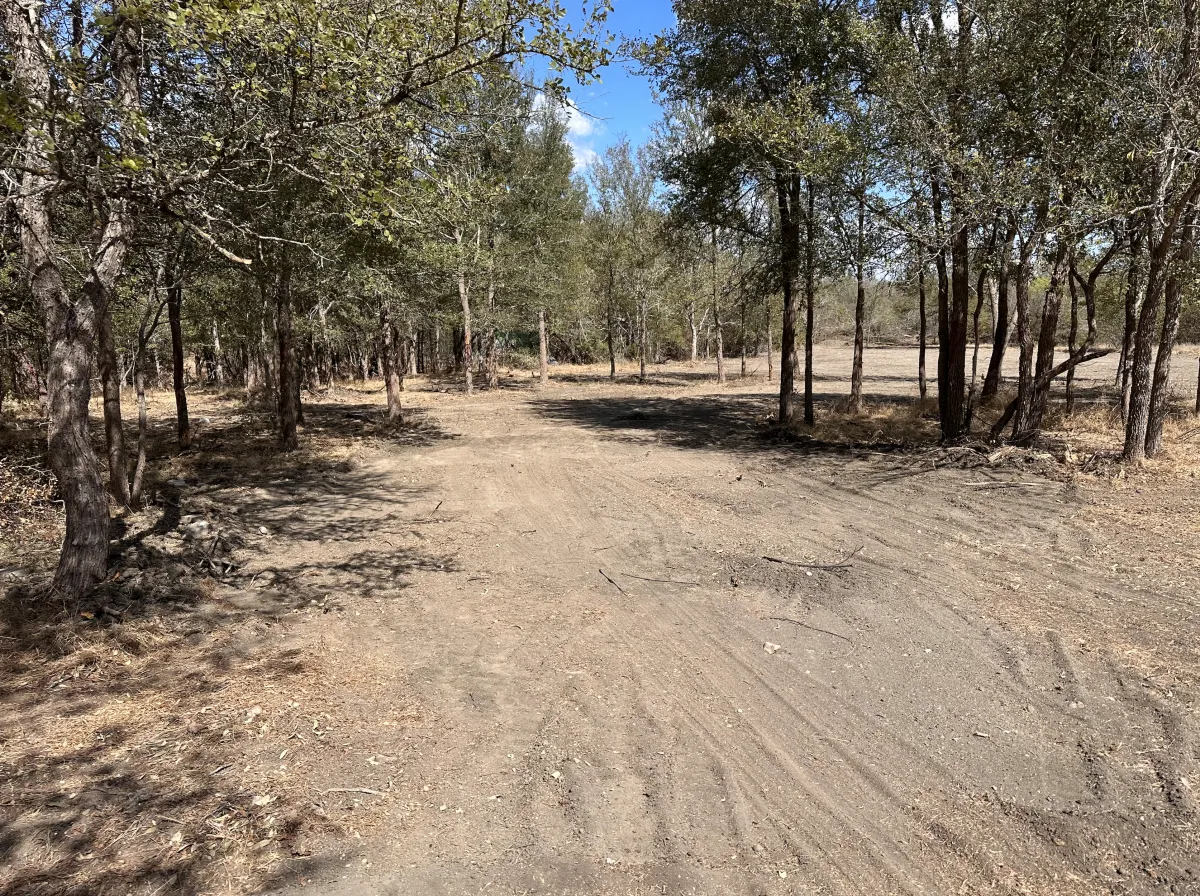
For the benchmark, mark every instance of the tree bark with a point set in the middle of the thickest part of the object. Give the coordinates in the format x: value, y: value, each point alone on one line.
x: 922, y: 379
x: 99, y: 286
x: 1047, y: 337
x: 145, y: 331
x: 1001, y: 322
x: 770, y: 359
x: 389, y: 356
x: 70, y: 326
x: 464, y: 297
x: 1072, y: 338
x: 1133, y: 308
x: 1160, y: 396
x: 787, y: 192
x: 860, y: 310
x: 1024, y: 400
x: 178, y: 371
x: 691, y: 315
x: 716, y: 309
x: 289, y: 372
x: 543, y: 350
x: 810, y: 299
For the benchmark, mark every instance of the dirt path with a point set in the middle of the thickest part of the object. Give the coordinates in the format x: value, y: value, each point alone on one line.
x: 931, y: 721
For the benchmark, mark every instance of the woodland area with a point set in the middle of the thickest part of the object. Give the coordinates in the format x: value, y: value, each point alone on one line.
x: 281, y: 280
x: 321, y: 190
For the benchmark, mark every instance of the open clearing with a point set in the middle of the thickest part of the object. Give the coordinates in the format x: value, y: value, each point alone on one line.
x: 530, y: 644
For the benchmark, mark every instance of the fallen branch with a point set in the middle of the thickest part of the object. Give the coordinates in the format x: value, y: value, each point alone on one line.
x: 614, y: 584
x: 365, y: 790
x: 810, y: 627
x: 630, y: 575
x: 844, y: 563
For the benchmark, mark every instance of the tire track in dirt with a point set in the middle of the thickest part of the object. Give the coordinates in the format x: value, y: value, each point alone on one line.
x: 706, y: 765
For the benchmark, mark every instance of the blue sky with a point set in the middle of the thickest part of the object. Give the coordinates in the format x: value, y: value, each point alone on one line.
x: 621, y: 103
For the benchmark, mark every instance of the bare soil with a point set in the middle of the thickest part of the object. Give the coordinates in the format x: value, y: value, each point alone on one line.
x: 529, y: 643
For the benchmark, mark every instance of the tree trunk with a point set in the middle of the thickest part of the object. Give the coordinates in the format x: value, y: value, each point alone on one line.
x: 953, y: 313
x: 643, y: 338
x: 1140, y: 382
x: 70, y: 325
x: 389, y: 356
x: 770, y: 360
x: 810, y: 300
x: 787, y: 193
x: 464, y: 296
x: 923, y: 326
x: 860, y: 311
x: 716, y: 309
x: 145, y: 331
x: 1133, y: 309
x: 720, y: 346
x: 1160, y: 397
x: 289, y: 372
x: 218, y: 367
x: 1072, y: 338
x: 543, y: 350
x: 99, y: 285
x: 1000, y: 322
x: 178, y: 372
x: 743, y: 338
x: 691, y: 314
x: 612, y: 349
x: 1024, y: 399
x: 1047, y: 337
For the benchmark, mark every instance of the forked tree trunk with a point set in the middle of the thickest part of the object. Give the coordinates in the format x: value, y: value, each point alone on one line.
x: 1051, y: 311
x: 543, y: 350
x: 70, y: 325
x: 145, y: 332
x: 1160, y: 396
x: 1000, y: 320
x: 99, y: 286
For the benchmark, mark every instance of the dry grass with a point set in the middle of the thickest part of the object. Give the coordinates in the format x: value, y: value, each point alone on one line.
x: 173, y: 734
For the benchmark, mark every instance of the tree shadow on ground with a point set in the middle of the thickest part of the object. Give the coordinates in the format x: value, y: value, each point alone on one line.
x: 738, y: 423
x: 125, y: 734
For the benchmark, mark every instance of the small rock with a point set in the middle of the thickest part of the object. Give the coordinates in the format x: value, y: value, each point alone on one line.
x: 262, y: 530
x: 196, y: 530
x: 772, y: 648
x: 177, y: 483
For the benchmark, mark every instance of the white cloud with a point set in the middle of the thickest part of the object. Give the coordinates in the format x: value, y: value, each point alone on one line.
x: 578, y: 124
x: 584, y: 156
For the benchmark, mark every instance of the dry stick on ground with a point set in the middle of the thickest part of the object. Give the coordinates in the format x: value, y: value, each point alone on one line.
x: 366, y: 790
x: 630, y: 575
x: 810, y: 627
x: 614, y: 584
x: 844, y: 563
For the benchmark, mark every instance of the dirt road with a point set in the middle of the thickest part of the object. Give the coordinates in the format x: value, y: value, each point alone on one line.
x: 621, y: 696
